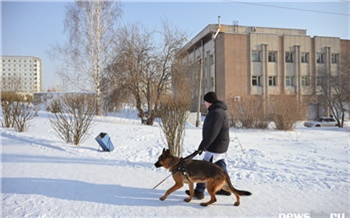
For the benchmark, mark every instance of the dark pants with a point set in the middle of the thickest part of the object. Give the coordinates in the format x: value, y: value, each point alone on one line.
x: 200, y: 187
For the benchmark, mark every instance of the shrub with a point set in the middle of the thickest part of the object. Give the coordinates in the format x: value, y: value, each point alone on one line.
x: 173, y: 113
x: 53, y: 107
x: 17, y: 110
x: 247, y: 113
x: 285, y: 112
x: 73, y: 116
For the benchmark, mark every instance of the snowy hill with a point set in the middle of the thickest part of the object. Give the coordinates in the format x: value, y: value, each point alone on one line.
x: 301, y: 173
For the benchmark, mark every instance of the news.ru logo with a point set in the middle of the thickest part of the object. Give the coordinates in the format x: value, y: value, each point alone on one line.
x: 337, y: 215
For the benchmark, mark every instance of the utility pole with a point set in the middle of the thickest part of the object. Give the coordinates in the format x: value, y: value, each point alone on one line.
x: 198, y: 121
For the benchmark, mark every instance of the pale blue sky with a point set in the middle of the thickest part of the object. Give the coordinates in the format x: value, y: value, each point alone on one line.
x: 31, y: 28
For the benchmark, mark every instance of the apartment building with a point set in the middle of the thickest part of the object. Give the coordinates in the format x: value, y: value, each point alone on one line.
x: 21, y: 74
x: 239, y: 61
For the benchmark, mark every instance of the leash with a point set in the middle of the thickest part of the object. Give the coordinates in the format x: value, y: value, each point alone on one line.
x: 189, y: 157
x: 162, y: 181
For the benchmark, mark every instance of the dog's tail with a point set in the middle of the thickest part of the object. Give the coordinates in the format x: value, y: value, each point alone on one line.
x: 239, y: 192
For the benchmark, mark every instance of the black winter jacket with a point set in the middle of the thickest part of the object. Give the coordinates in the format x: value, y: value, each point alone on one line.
x: 216, y: 136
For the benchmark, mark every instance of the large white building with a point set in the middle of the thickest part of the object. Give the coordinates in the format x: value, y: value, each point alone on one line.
x: 21, y: 74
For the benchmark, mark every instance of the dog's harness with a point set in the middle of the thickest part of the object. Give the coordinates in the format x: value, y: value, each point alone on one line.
x: 181, y: 166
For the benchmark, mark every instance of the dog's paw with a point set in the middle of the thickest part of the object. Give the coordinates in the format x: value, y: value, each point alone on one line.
x: 187, y: 199
x: 204, y: 204
x: 162, y: 198
x: 236, y: 204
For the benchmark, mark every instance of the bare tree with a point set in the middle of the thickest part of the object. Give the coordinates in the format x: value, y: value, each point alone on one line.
x: 174, y: 108
x: 11, y: 84
x: 6, y: 109
x: 286, y: 112
x: 131, y: 64
x: 173, y: 114
x: 334, y: 90
x: 247, y: 113
x: 17, y: 110
x: 143, y: 65
x: 73, y: 116
x: 23, y: 112
x: 173, y: 40
x: 91, y: 26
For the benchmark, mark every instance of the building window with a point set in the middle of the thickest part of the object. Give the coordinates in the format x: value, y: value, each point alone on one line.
x: 334, y: 58
x: 256, y: 56
x: 320, y: 58
x: 304, y: 57
x: 289, y: 57
x: 256, y: 80
x: 305, y: 81
x: 290, y: 81
x: 272, y: 56
x: 272, y: 80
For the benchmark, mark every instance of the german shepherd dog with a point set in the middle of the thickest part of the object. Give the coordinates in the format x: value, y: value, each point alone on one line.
x: 197, y: 171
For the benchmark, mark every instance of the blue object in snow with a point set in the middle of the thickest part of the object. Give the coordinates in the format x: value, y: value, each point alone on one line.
x: 105, y: 141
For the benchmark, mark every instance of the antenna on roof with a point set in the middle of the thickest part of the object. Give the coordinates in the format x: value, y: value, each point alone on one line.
x: 235, y: 25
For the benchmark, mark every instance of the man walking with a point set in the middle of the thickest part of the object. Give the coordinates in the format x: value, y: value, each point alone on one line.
x: 215, y: 138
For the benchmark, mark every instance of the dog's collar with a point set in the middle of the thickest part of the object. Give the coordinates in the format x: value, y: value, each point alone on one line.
x: 171, y: 162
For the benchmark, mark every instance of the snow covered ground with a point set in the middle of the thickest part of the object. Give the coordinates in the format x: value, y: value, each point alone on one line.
x: 304, y: 173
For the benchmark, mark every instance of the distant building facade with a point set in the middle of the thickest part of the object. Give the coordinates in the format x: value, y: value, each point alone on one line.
x: 21, y: 74
x: 239, y: 61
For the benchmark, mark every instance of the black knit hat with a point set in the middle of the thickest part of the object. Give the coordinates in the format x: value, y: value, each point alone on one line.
x: 210, y: 97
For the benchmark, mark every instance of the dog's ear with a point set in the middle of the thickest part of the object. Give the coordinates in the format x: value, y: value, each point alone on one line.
x: 163, y: 151
x: 167, y: 152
